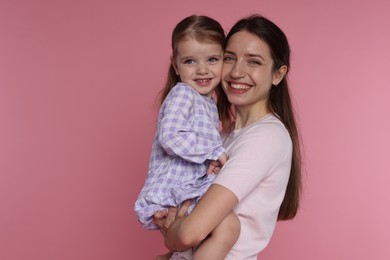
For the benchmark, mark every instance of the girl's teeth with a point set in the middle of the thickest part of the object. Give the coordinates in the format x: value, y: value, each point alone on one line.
x: 202, y: 80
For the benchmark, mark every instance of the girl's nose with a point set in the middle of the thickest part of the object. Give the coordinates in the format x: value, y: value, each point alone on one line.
x: 202, y: 69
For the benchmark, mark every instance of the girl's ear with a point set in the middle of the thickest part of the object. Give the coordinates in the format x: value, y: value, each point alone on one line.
x: 279, y: 75
x: 175, y: 66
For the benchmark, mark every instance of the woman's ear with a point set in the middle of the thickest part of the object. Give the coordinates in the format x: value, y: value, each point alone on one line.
x: 279, y: 75
x: 175, y: 66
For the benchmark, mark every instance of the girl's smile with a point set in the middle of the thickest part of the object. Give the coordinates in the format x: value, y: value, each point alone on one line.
x: 199, y: 64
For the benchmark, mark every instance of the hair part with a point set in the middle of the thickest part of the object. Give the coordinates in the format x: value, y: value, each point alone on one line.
x: 198, y: 27
x: 279, y: 102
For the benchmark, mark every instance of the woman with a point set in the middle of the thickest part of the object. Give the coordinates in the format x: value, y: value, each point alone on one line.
x: 261, y: 179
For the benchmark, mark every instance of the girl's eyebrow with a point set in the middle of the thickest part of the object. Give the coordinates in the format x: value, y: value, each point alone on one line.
x: 218, y: 56
x: 192, y: 57
x: 186, y: 57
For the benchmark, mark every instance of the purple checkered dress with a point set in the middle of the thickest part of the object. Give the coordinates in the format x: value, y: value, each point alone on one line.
x: 186, y: 138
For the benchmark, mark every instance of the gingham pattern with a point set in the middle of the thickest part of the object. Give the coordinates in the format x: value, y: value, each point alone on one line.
x: 186, y: 138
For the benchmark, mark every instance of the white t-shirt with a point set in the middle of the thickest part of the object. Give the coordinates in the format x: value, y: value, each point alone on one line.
x: 257, y: 173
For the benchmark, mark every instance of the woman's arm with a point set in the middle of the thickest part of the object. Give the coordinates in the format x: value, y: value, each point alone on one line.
x: 189, y: 231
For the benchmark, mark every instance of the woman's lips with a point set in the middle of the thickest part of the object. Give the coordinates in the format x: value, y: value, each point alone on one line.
x: 239, y: 88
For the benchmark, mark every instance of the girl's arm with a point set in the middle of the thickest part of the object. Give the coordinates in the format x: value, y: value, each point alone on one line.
x: 176, y: 133
x: 189, y: 231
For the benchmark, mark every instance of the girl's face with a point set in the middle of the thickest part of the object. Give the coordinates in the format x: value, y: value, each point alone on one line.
x: 199, y: 64
x: 247, y: 74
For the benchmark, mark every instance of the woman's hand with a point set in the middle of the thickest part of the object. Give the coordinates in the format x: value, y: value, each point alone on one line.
x: 164, y: 219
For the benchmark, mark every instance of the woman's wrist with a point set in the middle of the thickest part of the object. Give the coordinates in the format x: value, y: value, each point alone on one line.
x: 171, y: 236
x: 175, y: 240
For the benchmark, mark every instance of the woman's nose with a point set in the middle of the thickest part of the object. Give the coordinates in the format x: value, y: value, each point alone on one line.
x: 237, y: 71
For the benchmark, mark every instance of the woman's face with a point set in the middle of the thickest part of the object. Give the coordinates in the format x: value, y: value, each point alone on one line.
x: 247, y: 74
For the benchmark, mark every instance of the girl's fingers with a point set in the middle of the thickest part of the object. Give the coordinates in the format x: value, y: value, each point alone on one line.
x: 216, y: 170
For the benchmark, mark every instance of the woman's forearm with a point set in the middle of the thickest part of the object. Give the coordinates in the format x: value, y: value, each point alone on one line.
x: 179, y: 238
x: 189, y: 231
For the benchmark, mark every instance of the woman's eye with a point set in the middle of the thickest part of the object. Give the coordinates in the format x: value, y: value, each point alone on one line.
x: 256, y: 62
x: 228, y: 58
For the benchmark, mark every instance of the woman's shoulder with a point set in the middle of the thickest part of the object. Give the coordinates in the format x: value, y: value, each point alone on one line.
x: 266, y: 138
x: 269, y: 123
x: 266, y: 131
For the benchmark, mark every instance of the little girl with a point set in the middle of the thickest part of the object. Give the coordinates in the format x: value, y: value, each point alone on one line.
x: 187, y: 135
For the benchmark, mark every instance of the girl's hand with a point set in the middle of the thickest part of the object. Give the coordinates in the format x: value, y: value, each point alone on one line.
x: 164, y: 219
x: 215, y: 166
x: 223, y: 158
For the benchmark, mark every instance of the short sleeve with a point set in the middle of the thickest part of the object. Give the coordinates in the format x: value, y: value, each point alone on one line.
x: 253, y: 157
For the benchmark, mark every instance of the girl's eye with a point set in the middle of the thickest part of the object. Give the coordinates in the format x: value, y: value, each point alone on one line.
x: 189, y: 61
x: 213, y: 59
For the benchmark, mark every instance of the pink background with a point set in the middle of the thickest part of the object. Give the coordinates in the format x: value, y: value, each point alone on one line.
x: 78, y: 87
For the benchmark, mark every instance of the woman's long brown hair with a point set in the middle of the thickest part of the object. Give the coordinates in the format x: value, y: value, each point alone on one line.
x: 279, y: 102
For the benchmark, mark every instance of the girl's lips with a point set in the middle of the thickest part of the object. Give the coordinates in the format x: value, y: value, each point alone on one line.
x: 203, y: 82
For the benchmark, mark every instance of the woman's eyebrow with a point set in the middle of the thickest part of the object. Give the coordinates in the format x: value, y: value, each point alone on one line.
x: 251, y: 55
x: 229, y: 52
x: 255, y: 56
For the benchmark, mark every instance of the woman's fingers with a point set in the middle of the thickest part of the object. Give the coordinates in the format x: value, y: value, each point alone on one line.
x: 164, y: 219
x: 158, y: 218
x: 170, y: 218
x: 184, y: 208
x: 160, y: 214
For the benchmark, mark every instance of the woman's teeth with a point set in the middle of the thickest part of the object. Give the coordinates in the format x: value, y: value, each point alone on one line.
x: 239, y: 86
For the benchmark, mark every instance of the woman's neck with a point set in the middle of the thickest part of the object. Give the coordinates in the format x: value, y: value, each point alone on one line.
x: 246, y: 115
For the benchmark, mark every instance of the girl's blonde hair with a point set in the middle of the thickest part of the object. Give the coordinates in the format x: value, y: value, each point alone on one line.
x: 200, y: 28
